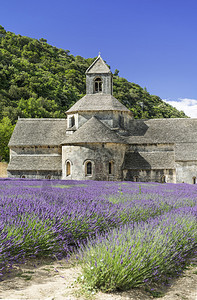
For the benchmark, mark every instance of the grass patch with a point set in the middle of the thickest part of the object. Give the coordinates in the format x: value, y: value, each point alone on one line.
x: 155, y: 293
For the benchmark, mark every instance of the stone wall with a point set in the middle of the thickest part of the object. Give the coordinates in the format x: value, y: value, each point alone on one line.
x: 163, y: 175
x: 35, y: 150
x: 158, y: 147
x: 105, y: 117
x: 113, y: 119
x: 35, y: 174
x: 186, y: 171
x: 107, y: 84
x: 3, y: 169
x: 100, y: 155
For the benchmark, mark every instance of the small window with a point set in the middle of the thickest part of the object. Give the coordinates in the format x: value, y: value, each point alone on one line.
x: 48, y: 177
x: 98, y: 85
x: 121, y: 121
x: 135, y: 178
x: 23, y: 176
x: 111, y: 166
x: 68, y: 168
x: 71, y: 121
x: 88, y: 168
x: 194, y: 180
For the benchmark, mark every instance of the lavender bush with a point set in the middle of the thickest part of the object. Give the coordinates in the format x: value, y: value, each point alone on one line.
x: 53, y: 218
x: 130, y: 256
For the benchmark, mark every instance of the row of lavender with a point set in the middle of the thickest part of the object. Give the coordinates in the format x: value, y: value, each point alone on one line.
x: 147, y: 229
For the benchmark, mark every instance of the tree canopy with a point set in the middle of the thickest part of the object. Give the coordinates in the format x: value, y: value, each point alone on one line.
x: 41, y: 81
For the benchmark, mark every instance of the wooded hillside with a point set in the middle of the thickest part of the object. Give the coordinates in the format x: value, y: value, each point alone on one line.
x: 38, y: 80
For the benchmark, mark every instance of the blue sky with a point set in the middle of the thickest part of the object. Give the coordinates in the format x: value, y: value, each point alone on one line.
x: 151, y: 42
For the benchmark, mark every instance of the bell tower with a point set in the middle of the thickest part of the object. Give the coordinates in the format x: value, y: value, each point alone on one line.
x: 99, y: 78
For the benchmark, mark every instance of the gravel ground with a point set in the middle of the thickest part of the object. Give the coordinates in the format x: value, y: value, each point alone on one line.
x: 57, y: 281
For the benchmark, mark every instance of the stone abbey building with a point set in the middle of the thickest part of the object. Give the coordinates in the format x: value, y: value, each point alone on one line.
x: 101, y: 140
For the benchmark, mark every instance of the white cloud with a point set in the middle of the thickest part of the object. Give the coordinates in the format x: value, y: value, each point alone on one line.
x: 189, y: 106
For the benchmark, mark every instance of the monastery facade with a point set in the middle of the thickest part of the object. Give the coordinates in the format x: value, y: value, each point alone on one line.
x: 100, y: 140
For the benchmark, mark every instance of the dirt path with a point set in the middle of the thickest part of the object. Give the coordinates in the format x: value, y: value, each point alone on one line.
x: 57, y: 281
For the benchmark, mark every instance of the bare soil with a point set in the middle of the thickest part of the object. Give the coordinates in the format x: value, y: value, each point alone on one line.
x: 58, y: 280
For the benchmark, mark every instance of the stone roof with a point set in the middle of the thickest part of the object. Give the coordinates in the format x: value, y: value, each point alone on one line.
x: 181, y: 132
x: 35, y: 162
x: 163, y: 131
x: 93, y: 131
x: 149, y: 160
x: 44, y: 132
x: 98, y: 102
x: 98, y: 66
x: 38, y: 132
x: 186, y: 151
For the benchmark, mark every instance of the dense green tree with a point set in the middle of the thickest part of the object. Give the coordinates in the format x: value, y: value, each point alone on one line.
x: 6, y: 129
x: 116, y: 72
x: 38, y: 108
x: 2, y: 30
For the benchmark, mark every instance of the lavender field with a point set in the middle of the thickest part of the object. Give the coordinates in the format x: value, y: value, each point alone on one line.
x: 124, y: 234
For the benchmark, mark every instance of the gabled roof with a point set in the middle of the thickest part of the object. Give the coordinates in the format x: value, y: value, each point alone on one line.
x: 186, y: 151
x: 149, y: 160
x: 38, y: 132
x: 163, y: 131
x: 181, y: 132
x: 98, y: 66
x: 93, y: 131
x: 96, y: 102
x: 35, y: 162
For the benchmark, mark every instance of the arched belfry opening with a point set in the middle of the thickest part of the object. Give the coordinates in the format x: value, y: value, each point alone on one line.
x: 98, y: 85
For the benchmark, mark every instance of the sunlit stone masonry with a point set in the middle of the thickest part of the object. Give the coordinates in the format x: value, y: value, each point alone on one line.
x: 100, y: 140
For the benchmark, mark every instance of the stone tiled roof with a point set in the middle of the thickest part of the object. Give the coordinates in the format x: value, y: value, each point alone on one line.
x: 35, y: 162
x: 181, y: 132
x: 149, y: 160
x: 44, y: 132
x: 186, y: 151
x: 163, y: 131
x: 38, y: 132
x: 93, y: 131
x: 98, y: 102
x: 98, y: 66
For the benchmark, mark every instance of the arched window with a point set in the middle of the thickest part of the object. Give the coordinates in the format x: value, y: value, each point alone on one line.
x: 88, y: 168
x: 97, y: 85
x: 163, y: 179
x: 23, y: 176
x: 194, y: 180
x: 68, y: 168
x: 111, y: 168
x: 48, y: 177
